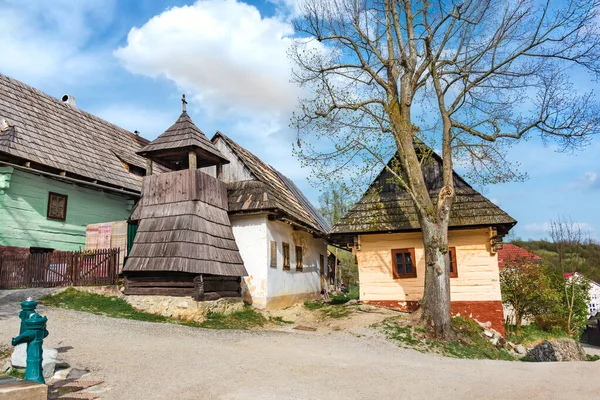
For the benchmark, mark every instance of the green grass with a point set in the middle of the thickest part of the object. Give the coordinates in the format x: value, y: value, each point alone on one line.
x: 314, y: 305
x: 470, y: 342
x: 245, y: 319
x: 115, y: 307
x: 5, y: 352
x: 594, y: 357
x: 329, y: 309
x: 16, y: 373
x: 533, y: 333
x: 335, y: 312
x: 343, y: 298
x: 110, y: 306
x: 279, y: 320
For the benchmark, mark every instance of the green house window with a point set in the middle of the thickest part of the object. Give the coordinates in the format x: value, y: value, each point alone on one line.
x: 57, y: 206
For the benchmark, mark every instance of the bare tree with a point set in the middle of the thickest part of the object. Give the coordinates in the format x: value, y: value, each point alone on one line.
x: 384, y: 76
x: 569, y: 239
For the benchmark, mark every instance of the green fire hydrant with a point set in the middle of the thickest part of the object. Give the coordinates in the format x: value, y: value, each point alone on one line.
x: 27, y: 308
x: 34, y: 334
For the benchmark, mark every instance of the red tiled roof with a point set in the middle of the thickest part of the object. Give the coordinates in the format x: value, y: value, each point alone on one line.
x: 510, y: 253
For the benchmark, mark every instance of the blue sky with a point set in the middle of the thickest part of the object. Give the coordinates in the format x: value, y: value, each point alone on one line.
x: 129, y: 61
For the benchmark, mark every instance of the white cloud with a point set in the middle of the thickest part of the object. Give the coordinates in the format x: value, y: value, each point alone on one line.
x: 591, y: 180
x: 233, y: 64
x: 232, y: 59
x: 44, y: 40
x: 544, y: 227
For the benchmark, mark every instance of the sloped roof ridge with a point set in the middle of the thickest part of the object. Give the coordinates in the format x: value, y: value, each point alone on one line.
x: 311, y: 216
x: 73, y: 109
x: 360, y: 223
x: 185, y: 133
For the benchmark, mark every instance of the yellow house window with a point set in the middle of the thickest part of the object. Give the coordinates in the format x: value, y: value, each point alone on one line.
x: 403, y: 263
x: 453, y: 264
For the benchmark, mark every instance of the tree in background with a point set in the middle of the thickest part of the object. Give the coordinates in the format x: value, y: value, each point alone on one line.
x: 527, y: 290
x: 334, y: 202
x: 482, y: 72
x: 569, y: 240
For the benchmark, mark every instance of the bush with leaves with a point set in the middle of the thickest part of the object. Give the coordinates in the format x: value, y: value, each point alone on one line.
x: 570, y: 312
x: 527, y: 289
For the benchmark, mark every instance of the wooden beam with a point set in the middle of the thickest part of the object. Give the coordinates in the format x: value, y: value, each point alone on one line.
x: 192, y: 160
x: 148, y: 167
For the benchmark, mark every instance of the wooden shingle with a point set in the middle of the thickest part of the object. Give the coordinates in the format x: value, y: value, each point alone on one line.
x: 386, y: 207
x: 46, y: 131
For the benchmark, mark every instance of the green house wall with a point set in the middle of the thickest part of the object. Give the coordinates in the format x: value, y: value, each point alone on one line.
x: 23, y: 210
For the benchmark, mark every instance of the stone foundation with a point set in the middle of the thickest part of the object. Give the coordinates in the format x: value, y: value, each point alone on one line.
x: 184, y: 308
x: 406, y: 306
x: 489, y: 313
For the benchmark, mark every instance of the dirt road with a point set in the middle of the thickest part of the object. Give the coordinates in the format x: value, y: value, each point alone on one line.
x: 140, y: 360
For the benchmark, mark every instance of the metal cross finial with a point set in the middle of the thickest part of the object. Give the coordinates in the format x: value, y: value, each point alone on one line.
x: 183, y: 102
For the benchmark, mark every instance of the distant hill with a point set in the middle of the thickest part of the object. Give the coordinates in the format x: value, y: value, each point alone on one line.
x: 589, y: 256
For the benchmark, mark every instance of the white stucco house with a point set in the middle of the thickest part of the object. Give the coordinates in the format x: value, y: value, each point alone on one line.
x: 594, y: 292
x: 280, y: 235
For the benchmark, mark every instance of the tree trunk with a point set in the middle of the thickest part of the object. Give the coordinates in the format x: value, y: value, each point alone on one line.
x: 436, y: 298
x: 518, y: 322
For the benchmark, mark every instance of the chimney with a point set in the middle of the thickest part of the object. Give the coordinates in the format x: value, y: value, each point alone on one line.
x: 70, y: 100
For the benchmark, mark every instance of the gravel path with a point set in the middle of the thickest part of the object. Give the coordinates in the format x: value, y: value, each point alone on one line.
x: 139, y: 360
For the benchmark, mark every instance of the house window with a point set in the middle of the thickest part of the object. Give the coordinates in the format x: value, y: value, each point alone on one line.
x: 285, y: 247
x: 453, y: 264
x: 403, y: 261
x: 273, y: 254
x: 298, y: 258
x: 57, y: 206
x: 322, y: 265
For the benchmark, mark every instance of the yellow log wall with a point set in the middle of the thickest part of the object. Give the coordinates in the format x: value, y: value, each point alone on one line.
x: 477, y: 280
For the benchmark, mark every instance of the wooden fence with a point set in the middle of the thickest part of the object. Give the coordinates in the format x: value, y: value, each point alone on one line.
x: 83, y: 268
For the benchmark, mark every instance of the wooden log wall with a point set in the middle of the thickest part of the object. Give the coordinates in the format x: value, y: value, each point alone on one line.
x: 201, y: 287
x: 184, y: 185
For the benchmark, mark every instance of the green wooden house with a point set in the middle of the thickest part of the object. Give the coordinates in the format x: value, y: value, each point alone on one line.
x: 61, y: 169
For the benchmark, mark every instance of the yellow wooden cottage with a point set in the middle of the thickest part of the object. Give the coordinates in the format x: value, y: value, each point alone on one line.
x: 383, y: 231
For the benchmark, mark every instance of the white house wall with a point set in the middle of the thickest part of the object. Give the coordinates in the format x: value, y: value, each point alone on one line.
x: 594, y: 299
x: 250, y: 234
x: 286, y: 287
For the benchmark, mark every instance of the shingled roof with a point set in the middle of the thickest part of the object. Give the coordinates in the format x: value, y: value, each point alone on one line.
x: 510, y: 253
x: 184, y: 134
x: 386, y: 207
x: 46, y: 131
x: 269, y: 190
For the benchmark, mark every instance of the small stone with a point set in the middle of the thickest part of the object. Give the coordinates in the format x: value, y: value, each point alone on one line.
x: 77, y: 373
x: 48, y: 368
x: 557, y: 350
x: 520, y: 349
x: 62, y: 373
x: 494, y: 340
x: 352, y: 302
x: 18, y: 358
x: 183, y: 304
x: 488, y: 333
x: 62, y: 365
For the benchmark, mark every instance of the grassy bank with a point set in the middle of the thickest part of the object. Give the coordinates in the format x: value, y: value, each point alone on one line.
x: 469, y: 342
x: 115, y: 307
